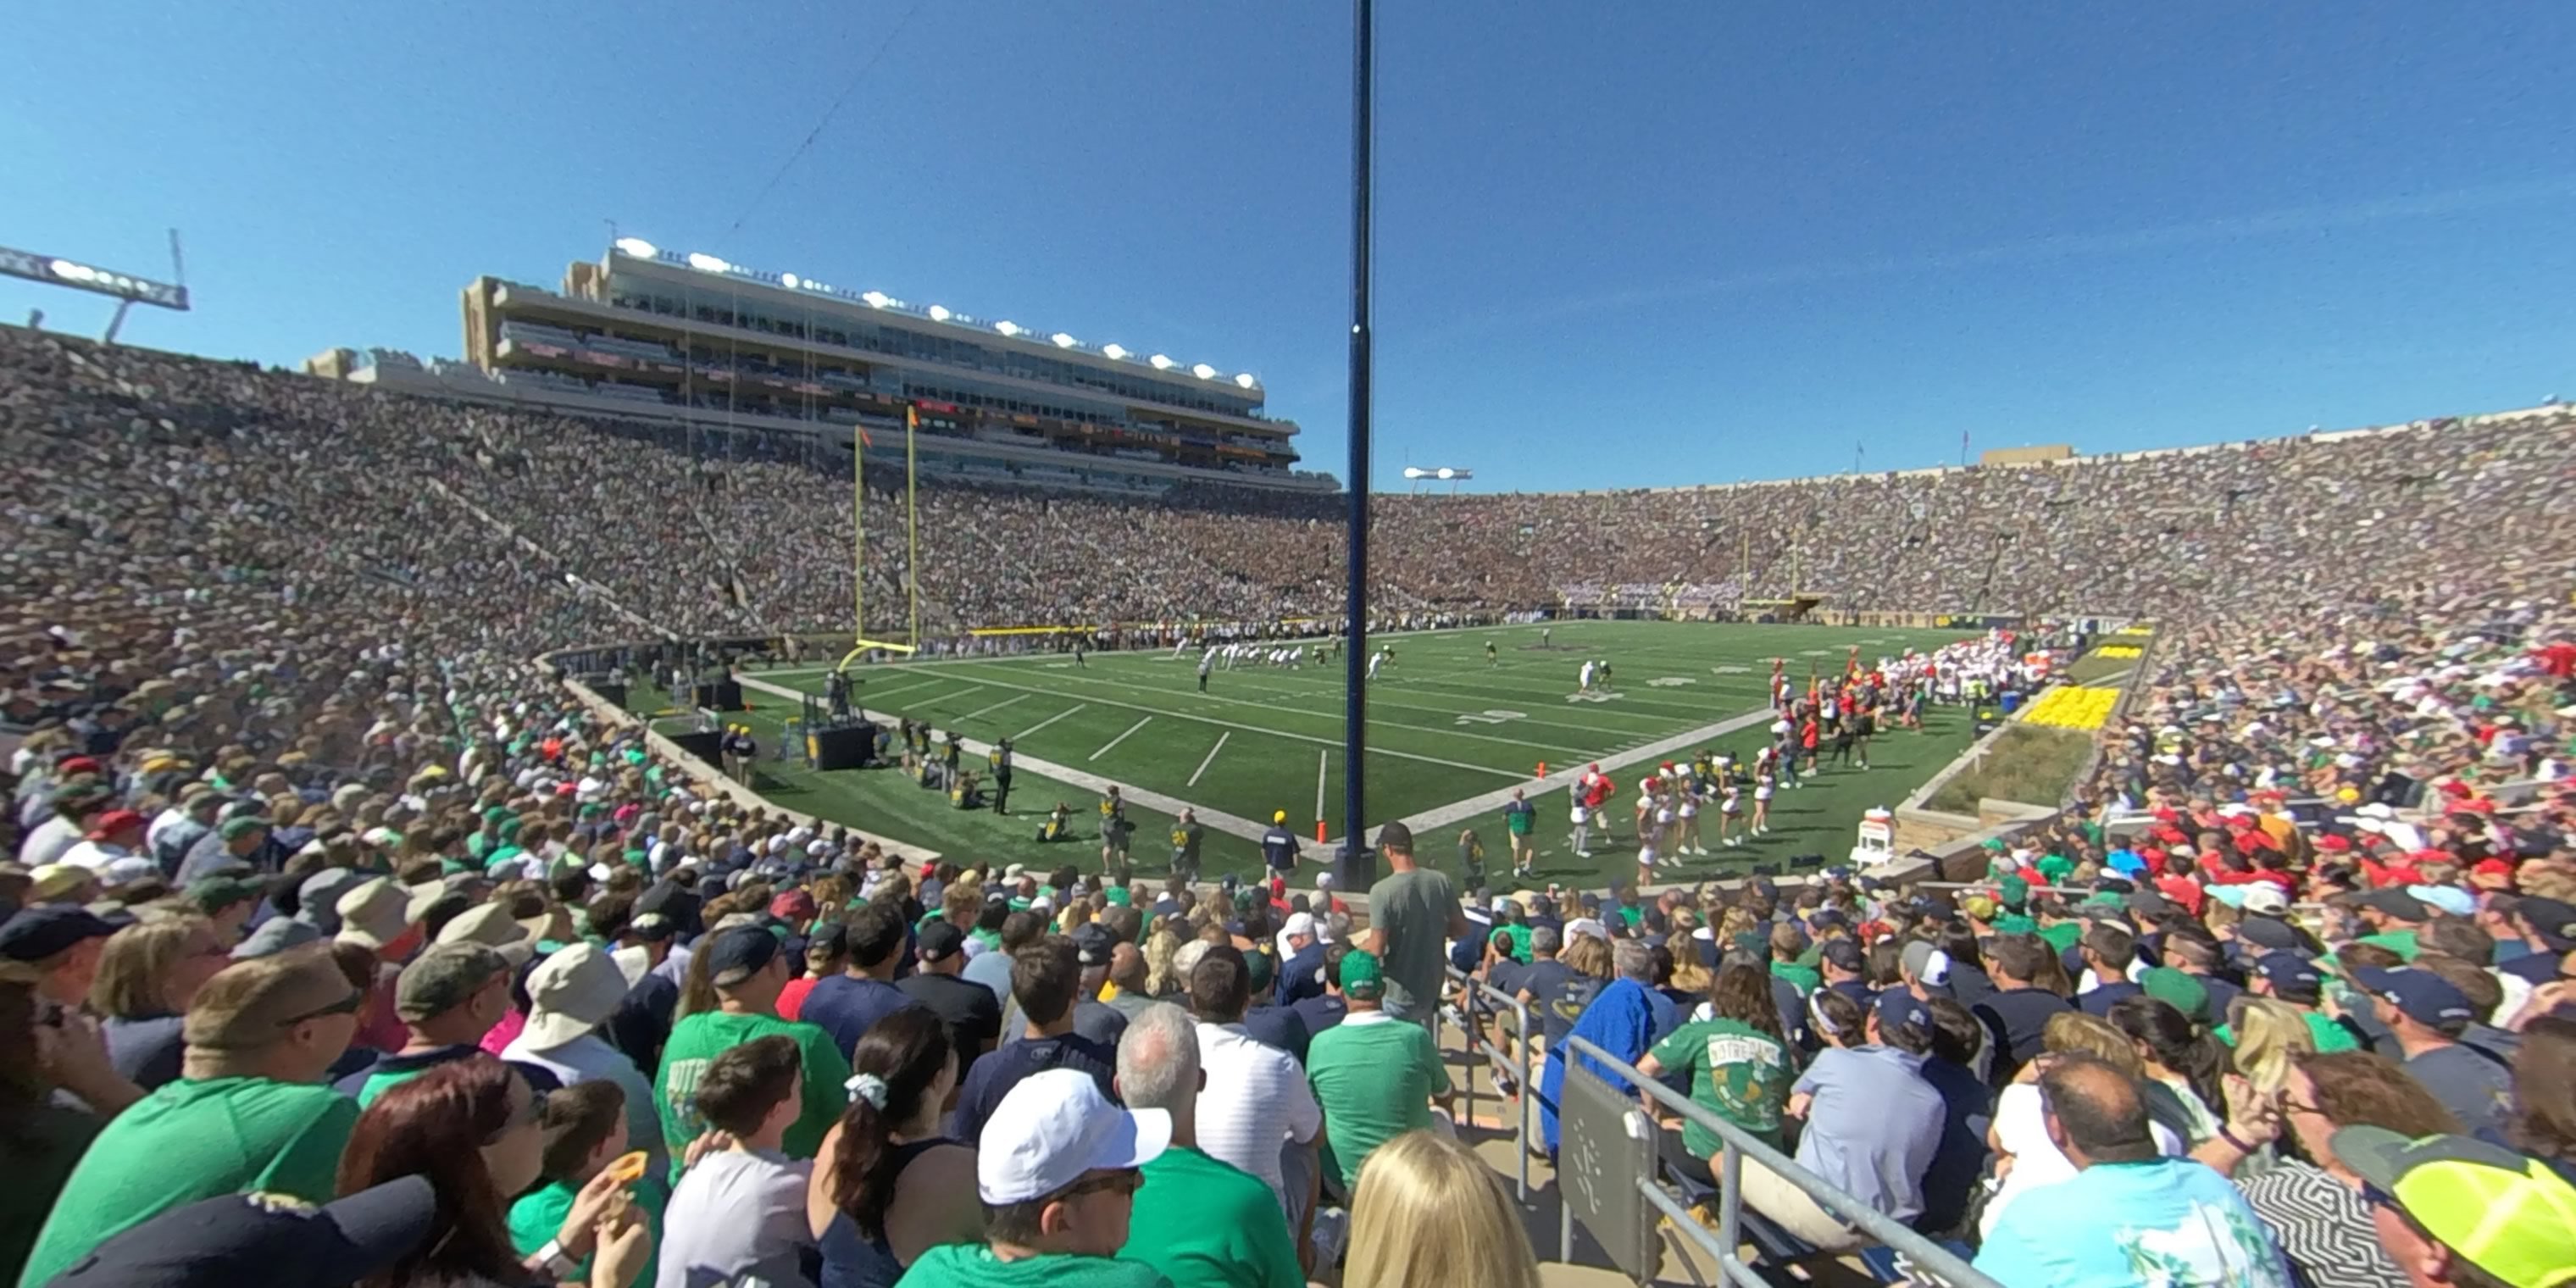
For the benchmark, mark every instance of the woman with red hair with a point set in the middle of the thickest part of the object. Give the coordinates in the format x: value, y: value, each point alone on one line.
x: 471, y: 1127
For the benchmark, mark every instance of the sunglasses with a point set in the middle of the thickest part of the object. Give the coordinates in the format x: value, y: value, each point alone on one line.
x: 349, y: 1005
x: 2373, y: 1196
x: 1124, y: 1181
x: 530, y: 1114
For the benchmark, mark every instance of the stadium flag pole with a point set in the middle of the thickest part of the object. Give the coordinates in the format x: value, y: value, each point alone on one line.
x: 858, y: 532
x: 1359, y: 870
x: 912, y: 524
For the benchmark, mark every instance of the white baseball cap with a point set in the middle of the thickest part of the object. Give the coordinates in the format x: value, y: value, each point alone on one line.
x: 1054, y: 1127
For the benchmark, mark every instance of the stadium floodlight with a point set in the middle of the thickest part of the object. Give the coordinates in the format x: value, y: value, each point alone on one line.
x: 1245, y: 379
x: 938, y: 314
x: 1162, y: 363
x: 1113, y: 351
x: 1007, y: 327
x: 876, y: 299
x: 1444, y: 472
x: 706, y: 263
x: 1416, y: 472
x: 127, y: 289
x: 639, y: 248
x: 1063, y: 341
x: 1203, y: 371
x: 787, y: 280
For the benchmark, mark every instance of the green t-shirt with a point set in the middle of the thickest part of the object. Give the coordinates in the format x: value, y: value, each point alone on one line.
x: 2328, y: 1035
x: 193, y: 1140
x: 1807, y: 980
x: 1206, y: 1224
x: 1413, y: 910
x: 539, y: 1215
x: 2063, y: 935
x: 1737, y: 1072
x: 973, y: 1265
x: 2055, y: 868
x: 1374, y: 1077
x: 2400, y: 942
x: 1520, y: 942
x: 698, y: 1040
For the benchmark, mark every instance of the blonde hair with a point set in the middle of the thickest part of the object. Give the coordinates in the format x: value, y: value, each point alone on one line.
x: 1160, y: 948
x: 2092, y: 1035
x: 1586, y: 955
x: 2269, y: 1034
x: 1427, y: 1213
x: 136, y: 962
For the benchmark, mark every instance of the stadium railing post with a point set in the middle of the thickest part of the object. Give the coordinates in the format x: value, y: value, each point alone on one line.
x: 1930, y: 1259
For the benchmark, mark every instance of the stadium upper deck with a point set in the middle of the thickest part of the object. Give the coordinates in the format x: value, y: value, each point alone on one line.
x: 646, y: 331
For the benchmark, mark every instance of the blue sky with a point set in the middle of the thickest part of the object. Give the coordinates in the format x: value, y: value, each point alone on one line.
x: 1618, y: 245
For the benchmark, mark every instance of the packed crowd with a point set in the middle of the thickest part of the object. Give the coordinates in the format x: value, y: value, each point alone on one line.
x: 324, y: 891
x: 699, y: 535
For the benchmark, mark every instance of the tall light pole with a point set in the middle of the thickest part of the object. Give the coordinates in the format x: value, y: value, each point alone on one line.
x: 1359, y: 867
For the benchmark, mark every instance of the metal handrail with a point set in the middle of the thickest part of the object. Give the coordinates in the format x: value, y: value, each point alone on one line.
x: 1738, y: 1145
x: 1494, y: 1054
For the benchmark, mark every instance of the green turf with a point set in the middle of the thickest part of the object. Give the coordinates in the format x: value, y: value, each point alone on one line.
x: 1444, y: 726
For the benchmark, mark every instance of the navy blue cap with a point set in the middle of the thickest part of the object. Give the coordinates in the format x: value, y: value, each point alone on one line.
x: 34, y: 934
x: 1898, y: 1008
x: 2420, y: 995
x: 1843, y: 954
x: 1092, y: 942
x: 2289, y: 973
x: 266, y: 1239
x: 737, y: 953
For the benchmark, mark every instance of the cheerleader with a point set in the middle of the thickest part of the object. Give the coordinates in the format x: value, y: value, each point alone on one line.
x: 1686, y: 817
x: 1764, y: 781
x: 1730, y: 808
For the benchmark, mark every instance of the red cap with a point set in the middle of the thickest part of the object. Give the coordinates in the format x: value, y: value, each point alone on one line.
x: 2240, y: 822
x: 2167, y: 814
x: 2452, y: 787
x: 2494, y: 874
x: 113, y: 822
x: 2333, y: 844
x: 78, y: 765
x: 795, y: 905
x: 2480, y: 806
x: 2429, y: 856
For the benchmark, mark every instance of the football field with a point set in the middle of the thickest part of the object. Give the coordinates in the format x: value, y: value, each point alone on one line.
x: 1451, y: 732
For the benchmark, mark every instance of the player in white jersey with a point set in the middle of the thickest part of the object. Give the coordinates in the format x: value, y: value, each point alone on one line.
x: 1376, y: 660
x: 1583, y: 679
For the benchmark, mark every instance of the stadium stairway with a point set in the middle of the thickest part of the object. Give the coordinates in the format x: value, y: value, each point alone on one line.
x: 1492, y: 1134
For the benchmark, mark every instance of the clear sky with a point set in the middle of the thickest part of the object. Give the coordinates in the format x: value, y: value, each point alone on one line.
x: 1638, y: 243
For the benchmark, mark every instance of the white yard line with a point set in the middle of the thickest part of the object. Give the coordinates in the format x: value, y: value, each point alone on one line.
x: 1490, y: 802
x: 1230, y: 824
x: 863, y: 692
x: 979, y: 711
x: 951, y: 697
x: 1221, y: 736
x: 1104, y: 749
x: 1050, y: 719
x: 1392, y: 726
x: 1233, y: 724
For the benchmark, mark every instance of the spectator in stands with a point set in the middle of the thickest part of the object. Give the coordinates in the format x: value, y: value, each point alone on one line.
x: 447, y: 998
x: 61, y: 945
x: 2310, y: 1203
x: 1044, y: 978
x: 472, y: 1127
x: 1739, y: 1066
x: 888, y: 1186
x: 739, y: 1210
x: 245, y: 1114
x: 1200, y: 1221
x: 2130, y: 1211
x: 1257, y: 1111
x: 1057, y: 1167
x: 40, y: 1138
x: 2018, y: 1012
x: 148, y: 973
x: 2180, y: 1063
x: 2544, y: 1094
x: 1872, y: 1128
x: 2028, y: 1157
x: 571, y: 993
x: 584, y: 1129
x: 2454, y: 1211
x: 973, y: 1015
x: 864, y: 992
x: 730, y: 999
x: 1373, y: 1077
x: 1430, y: 1213
x: 2425, y: 1015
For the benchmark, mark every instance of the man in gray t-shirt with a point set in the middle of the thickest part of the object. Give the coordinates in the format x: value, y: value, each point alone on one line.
x: 1412, y: 914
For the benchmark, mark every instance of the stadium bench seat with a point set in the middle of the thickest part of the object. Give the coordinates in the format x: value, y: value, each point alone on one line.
x: 1777, y: 1246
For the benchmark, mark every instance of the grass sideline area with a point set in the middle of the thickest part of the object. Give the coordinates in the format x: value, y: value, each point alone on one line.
x: 2031, y: 764
x: 1446, y: 726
